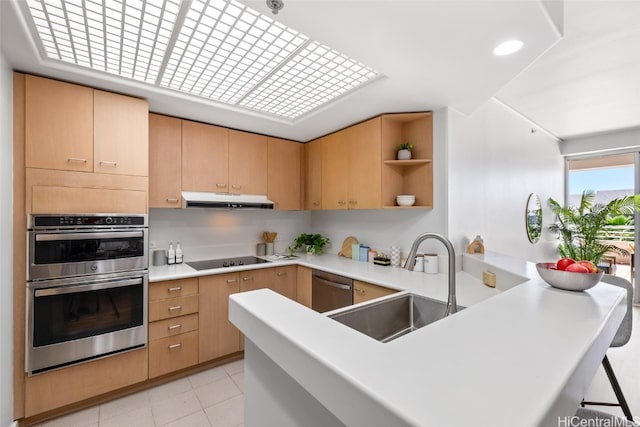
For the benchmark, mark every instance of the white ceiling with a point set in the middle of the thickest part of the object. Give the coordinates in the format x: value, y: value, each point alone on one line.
x: 589, y: 82
x: 432, y: 54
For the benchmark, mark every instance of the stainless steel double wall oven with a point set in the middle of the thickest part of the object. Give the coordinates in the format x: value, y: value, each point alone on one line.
x: 87, y: 281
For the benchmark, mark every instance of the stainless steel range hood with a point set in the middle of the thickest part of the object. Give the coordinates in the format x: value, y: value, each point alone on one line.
x: 196, y: 199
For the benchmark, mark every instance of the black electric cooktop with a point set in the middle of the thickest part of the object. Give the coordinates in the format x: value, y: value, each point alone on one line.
x: 225, y: 262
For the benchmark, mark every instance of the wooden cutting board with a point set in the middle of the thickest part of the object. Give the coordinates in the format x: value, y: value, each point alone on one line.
x: 346, y: 246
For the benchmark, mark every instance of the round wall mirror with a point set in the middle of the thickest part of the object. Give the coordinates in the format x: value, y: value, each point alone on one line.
x: 533, y: 218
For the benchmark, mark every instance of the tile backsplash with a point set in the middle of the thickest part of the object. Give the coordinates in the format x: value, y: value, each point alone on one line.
x: 215, y: 233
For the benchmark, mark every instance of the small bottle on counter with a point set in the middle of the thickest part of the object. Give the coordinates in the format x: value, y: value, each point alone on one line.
x: 179, y: 255
x: 372, y: 254
x: 171, y: 254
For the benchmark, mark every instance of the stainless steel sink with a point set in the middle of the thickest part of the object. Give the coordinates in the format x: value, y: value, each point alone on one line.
x: 394, y: 317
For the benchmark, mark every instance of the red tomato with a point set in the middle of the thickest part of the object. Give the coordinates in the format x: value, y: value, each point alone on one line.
x: 562, y: 263
x: 592, y: 268
x: 577, y: 268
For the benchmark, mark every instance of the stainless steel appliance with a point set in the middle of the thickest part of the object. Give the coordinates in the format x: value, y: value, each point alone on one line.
x: 87, y: 288
x: 225, y: 262
x: 74, y: 245
x: 330, y: 291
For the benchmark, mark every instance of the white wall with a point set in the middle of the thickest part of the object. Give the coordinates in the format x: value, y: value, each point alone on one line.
x: 495, y: 162
x: 381, y: 229
x: 6, y: 243
x: 215, y: 233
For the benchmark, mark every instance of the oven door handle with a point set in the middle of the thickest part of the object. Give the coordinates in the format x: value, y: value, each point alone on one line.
x: 86, y: 288
x: 44, y: 237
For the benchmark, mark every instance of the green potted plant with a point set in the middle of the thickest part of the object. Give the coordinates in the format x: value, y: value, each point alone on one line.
x: 583, y: 229
x: 313, y: 243
x: 404, y: 151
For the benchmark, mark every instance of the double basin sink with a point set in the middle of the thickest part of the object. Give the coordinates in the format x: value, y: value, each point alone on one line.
x: 391, y: 318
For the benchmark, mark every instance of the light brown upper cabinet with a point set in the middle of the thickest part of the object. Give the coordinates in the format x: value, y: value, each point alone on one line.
x: 313, y: 175
x: 335, y: 171
x: 363, y: 141
x: 75, y: 128
x: 351, y: 167
x: 120, y: 134
x: 205, y: 157
x: 284, y: 174
x: 247, y: 163
x: 165, y: 161
x: 58, y: 125
x: 413, y: 176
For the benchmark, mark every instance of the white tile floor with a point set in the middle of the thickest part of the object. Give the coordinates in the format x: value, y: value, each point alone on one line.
x: 212, y: 398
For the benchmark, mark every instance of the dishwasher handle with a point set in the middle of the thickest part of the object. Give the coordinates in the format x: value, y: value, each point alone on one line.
x: 335, y: 285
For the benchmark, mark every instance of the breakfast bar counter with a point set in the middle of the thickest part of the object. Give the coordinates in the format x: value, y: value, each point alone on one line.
x: 521, y: 357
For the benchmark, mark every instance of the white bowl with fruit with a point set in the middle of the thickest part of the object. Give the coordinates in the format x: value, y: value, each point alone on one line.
x: 569, y: 274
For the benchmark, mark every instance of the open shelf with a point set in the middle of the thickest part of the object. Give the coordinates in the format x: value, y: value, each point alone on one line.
x: 408, y: 207
x: 412, y: 162
x: 413, y: 176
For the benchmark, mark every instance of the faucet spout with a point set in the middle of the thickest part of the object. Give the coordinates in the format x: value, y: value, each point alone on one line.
x: 452, y: 306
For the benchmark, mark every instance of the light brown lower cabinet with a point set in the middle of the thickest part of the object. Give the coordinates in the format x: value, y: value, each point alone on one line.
x: 303, y: 286
x: 55, y: 389
x: 173, y: 353
x: 218, y: 336
x: 173, y: 326
x: 363, y: 291
x: 285, y: 281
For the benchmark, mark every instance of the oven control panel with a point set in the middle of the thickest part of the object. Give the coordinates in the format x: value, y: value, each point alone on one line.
x: 58, y: 221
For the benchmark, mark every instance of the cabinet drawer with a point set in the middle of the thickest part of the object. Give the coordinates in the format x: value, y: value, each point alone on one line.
x: 173, y: 326
x: 172, y: 288
x: 173, y: 353
x: 172, y: 307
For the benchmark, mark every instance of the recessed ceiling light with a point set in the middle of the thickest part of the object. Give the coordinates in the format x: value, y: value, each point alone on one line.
x: 507, y: 48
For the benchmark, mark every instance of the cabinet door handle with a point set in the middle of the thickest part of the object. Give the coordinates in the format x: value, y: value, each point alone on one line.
x: 236, y: 186
x: 174, y: 346
x: 353, y: 202
x: 219, y: 185
x: 175, y: 307
x: 342, y: 202
x: 173, y: 200
x: 316, y: 203
x: 176, y: 289
x: 281, y: 273
x: 76, y: 160
x: 230, y: 281
x: 108, y: 163
x: 245, y: 278
x: 172, y: 327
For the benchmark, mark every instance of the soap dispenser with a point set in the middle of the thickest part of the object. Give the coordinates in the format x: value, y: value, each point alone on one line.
x: 179, y: 255
x: 171, y: 254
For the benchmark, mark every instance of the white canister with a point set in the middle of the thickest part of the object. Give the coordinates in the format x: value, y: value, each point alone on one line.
x: 419, y: 264
x: 430, y: 263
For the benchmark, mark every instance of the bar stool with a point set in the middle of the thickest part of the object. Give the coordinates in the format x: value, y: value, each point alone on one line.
x: 621, y: 338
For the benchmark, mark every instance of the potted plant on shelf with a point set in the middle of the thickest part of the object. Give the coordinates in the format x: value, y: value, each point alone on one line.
x: 313, y: 243
x: 404, y: 151
x: 583, y: 229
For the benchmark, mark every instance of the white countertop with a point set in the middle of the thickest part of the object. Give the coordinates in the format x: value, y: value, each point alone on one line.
x: 470, y: 289
x: 521, y: 357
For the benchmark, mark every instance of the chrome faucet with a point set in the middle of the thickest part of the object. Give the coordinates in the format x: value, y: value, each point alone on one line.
x: 452, y: 306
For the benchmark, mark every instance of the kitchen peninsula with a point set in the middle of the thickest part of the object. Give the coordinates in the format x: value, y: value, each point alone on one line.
x: 523, y: 357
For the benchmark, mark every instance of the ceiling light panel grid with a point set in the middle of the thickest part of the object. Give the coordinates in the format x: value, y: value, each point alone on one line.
x: 126, y: 38
x: 316, y: 75
x: 224, y: 49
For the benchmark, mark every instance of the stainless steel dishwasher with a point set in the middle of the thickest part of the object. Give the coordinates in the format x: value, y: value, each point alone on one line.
x: 330, y: 291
